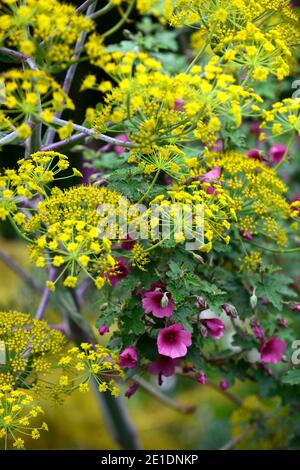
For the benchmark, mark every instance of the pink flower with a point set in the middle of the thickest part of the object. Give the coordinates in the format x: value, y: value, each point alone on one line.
x: 103, y: 329
x: 121, y: 270
x: 296, y: 209
x: 297, y: 307
x: 255, y: 128
x: 158, y: 302
x: 178, y: 104
x: 131, y: 390
x: 164, y: 365
x: 223, y: 385
x: 215, y: 327
x: 128, y: 243
x: 201, y: 378
x: 277, y: 152
x: 124, y: 138
x: 128, y: 358
x: 257, y: 331
x: 246, y: 234
x: 173, y: 341
x: 282, y: 323
x: 271, y: 350
x: 254, y: 153
x: 213, y: 174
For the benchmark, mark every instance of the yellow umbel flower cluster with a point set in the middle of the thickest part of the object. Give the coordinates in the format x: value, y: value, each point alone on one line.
x: 17, y: 412
x: 24, y: 25
x: 28, y: 348
x: 253, y: 416
x: 30, y: 179
x: 81, y: 365
x: 283, y: 117
x: 257, y: 192
x: 31, y: 93
x: 256, y: 35
x: 155, y: 108
x: 68, y: 233
x: 218, y: 209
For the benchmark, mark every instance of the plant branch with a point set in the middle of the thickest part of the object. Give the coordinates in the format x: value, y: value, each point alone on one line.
x: 71, y: 70
x: 19, y: 56
x: 102, y: 11
x: 90, y: 133
x: 62, y: 143
x: 121, y: 22
x: 156, y: 393
x: 8, y: 138
x: 84, y: 6
x: 45, y: 296
x: 11, y: 263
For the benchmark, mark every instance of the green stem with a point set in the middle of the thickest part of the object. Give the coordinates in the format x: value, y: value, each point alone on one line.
x: 273, y: 250
x: 198, y: 56
x: 283, y: 160
x: 121, y: 22
x: 168, y: 401
x: 102, y: 11
x: 21, y: 234
x: 149, y: 188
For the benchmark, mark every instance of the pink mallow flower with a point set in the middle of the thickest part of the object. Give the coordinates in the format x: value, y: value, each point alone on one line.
x: 257, y: 331
x: 124, y: 138
x: 158, y: 302
x: 215, y: 327
x: 164, y: 365
x: 128, y: 358
x: 121, y: 270
x: 103, y: 330
x: 213, y: 174
x: 246, y: 234
x: 201, y: 378
x: 271, y: 350
x: 297, y: 308
x: 131, y: 390
x: 224, y: 385
x: 277, y: 152
x: 254, y: 153
x: 173, y: 341
x: 178, y: 104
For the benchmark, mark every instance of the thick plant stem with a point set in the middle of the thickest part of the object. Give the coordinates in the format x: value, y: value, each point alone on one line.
x: 45, y: 296
x: 50, y: 134
x: 117, y: 420
x: 113, y: 409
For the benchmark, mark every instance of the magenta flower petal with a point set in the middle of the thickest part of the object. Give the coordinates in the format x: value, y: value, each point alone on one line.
x: 103, y: 330
x: 118, y: 148
x: 173, y: 341
x: 159, y: 303
x: 122, y: 270
x: 271, y: 350
x: 164, y: 365
x: 128, y: 358
x: 211, y: 175
x: 215, y: 327
x: 277, y: 152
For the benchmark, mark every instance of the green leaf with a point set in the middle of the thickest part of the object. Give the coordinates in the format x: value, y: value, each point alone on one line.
x: 133, y: 322
x: 275, y: 288
x: 106, y: 317
x: 292, y: 377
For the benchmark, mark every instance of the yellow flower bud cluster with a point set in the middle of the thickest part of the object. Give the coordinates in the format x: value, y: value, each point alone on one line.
x: 55, y: 24
x: 18, y: 412
x: 81, y: 365
x: 31, y: 92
